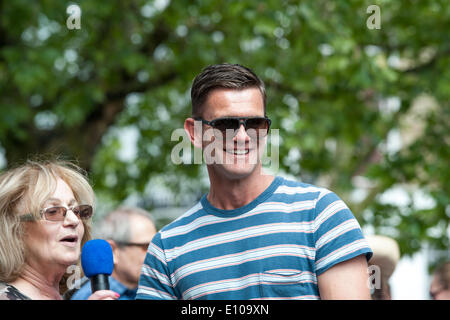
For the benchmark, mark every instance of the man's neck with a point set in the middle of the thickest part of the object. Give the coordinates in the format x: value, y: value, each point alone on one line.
x: 37, y: 286
x: 229, y: 194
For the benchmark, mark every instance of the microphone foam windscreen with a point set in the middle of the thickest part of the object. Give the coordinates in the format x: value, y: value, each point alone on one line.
x: 97, y: 258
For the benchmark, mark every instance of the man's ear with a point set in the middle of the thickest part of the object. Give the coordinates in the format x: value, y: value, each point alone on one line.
x: 194, y: 131
x: 115, y: 250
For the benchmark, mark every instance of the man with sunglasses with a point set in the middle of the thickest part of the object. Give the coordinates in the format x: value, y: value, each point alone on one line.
x: 129, y: 232
x: 253, y: 236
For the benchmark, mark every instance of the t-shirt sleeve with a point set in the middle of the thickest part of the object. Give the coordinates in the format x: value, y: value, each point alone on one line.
x: 337, y: 233
x: 154, y: 281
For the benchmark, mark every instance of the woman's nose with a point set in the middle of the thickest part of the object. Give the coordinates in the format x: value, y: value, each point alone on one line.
x: 71, y: 218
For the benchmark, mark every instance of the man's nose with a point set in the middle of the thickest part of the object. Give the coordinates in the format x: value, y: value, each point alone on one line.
x: 241, y: 134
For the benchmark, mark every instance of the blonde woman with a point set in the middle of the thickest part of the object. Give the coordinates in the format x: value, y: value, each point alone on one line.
x: 45, y: 217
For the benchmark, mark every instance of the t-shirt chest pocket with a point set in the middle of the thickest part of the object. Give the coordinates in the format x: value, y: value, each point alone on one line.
x: 288, y: 283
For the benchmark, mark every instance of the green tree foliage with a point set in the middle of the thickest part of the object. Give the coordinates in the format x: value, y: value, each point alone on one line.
x: 339, y: 92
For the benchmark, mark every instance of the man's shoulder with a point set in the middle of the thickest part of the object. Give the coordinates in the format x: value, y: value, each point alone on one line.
x: 81, y: 290
x: 187, y: 217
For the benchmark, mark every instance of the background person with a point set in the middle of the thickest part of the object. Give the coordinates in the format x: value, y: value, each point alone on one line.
x: 253, y: 236
x: 45, y: 215
x: 440, y: 285
x: 386, y: 254
x: 129, y: 232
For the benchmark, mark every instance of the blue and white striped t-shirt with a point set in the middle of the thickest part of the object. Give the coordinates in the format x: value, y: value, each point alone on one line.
x: 273, y: 247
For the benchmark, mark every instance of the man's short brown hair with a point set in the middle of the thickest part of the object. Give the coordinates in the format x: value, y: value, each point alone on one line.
x: 228, y: 76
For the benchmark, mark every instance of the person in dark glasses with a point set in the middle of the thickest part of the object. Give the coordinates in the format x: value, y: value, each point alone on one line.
x: 129, y: 231
x: 253, y: 235
x: 45, y: 216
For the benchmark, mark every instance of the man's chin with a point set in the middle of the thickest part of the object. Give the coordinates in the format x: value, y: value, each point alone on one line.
x: 235, y: 171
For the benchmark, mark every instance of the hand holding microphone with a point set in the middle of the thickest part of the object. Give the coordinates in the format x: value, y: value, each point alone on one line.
x: 98, y: 263
x: 104, y: 295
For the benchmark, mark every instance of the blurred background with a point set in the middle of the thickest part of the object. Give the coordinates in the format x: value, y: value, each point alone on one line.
x: 362, y: 111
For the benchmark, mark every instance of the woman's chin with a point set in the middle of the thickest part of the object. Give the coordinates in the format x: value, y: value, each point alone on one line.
x: 69, y: 259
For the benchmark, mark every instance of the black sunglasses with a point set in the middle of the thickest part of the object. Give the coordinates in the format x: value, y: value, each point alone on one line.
x: 58, y: 213
x: 143, y: 246
x: 259, y: 125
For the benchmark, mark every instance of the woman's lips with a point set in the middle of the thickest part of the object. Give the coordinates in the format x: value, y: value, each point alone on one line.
x: 70, y: 240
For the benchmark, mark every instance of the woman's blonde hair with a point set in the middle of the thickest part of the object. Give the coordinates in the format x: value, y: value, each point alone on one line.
x: 23, y: 190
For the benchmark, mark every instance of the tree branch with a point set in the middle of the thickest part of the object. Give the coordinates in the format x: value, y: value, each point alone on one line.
x: 428, y: 64
x: 106, y: 114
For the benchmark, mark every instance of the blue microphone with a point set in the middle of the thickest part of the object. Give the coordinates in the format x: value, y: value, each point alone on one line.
x: 98, y: 263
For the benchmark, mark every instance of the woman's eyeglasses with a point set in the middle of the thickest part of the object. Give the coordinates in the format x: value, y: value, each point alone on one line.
x: 255, y: 126
x: 58, y: 213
